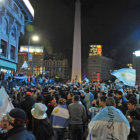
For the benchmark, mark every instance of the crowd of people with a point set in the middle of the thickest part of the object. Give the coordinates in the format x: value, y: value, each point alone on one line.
x: 75, y: 111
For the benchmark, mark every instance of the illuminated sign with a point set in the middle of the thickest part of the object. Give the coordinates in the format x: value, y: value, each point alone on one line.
x: 99, y: 50
x: 32, y: 49
x: 137, y: 53
x: 29, y: 6
x: 95, y: 50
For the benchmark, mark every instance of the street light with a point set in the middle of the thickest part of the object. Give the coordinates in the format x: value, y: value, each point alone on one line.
x: 34, y: 38
x: 137, y: 53
x: 136, y: 61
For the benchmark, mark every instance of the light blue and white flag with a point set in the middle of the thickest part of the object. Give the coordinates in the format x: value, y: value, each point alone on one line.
x: 25, y: 65
x: 60, y: 117
x: 21, y: 77
x: 86, y: 79
x: 126, y: 75
x: 109, y: 124
x: 5, y: 104
x: 102, y: 87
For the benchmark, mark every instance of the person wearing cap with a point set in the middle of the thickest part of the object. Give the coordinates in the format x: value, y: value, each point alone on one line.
x: 59, y: 119
x: 133, y: 115
x: 15, y: 126
x: 41, y: 126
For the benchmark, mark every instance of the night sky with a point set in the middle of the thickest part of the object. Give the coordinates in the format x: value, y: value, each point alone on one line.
x: 115, y: 24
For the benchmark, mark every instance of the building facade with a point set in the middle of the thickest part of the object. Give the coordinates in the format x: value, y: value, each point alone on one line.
x: 35, y: 65
x: 100, y: 67
x: 57, y: 68
x: 14, y: 15
x: 34, y: 57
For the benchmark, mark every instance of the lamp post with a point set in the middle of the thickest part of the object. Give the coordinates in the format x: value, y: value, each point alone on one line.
x: 34, y: 38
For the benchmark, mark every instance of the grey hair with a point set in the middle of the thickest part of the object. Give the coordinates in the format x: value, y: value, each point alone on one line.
x: 110, y: 101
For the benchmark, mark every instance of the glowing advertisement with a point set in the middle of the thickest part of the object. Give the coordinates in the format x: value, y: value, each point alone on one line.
x: 99, y: 50
x: 95, y: 50
x: 32, y: 49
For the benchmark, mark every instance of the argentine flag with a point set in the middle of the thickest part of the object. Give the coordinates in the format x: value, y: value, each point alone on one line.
x: 5, y: 104
x: 86, y: 79
x: 126, y: 75
x: 25, y: 65
x: 109, y: 124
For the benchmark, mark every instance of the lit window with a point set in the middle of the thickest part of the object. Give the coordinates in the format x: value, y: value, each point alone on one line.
x: 3, y: 47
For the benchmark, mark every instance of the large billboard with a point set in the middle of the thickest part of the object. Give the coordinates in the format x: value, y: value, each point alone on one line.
x: 95, y: 50
x: 31, y: 49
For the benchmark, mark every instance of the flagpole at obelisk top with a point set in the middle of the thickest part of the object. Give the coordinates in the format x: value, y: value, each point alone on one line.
x: 76, y: 60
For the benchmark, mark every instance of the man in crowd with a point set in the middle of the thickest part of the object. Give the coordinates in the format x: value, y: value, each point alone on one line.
x: 26, y: 105
x: 121, y: 102
x: 88, y: 97
x: 133, y: 115
x: 77, y: 118
x: 15, y: 126
x: 109, y: 123
x: 102, y: 101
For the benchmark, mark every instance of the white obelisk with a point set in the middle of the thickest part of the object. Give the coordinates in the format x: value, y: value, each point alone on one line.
x: 76, y: 60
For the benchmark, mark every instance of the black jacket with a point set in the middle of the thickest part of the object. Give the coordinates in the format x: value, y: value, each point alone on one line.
x: 18, y: 133
x: 135, y: 124
x: 42, y: 129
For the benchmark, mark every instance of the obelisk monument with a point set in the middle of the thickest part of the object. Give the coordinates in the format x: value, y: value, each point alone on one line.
x: 76, y: 59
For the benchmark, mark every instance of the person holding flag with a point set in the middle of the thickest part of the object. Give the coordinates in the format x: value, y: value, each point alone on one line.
x: 109, y: 123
